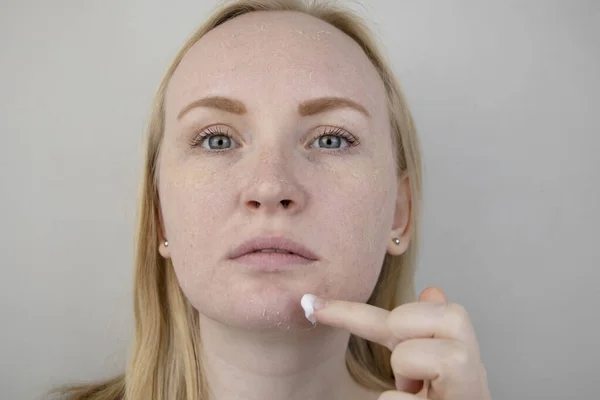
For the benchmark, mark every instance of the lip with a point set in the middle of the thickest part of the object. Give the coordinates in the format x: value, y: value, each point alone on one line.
x: 247, y: 248
x: 272, y: 262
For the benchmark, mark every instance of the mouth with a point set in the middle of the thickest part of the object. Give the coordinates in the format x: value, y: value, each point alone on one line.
x: 271, y: 261
x: 275, y: 247
x: 272, y: 251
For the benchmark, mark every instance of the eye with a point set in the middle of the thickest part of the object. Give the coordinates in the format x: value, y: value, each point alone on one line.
x: 214, y: 139
x: 334, y: 138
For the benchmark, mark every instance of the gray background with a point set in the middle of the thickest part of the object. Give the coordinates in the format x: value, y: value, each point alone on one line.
x: 506, y: 99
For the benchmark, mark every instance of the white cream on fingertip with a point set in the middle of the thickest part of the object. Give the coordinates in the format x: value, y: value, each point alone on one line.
x: 308, y: 304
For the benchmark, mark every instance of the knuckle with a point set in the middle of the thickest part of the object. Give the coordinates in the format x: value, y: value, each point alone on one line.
x: 458, y: 317
x: 398, y: 317
x: 458, y: 311
x: 394, y: 317
x: 393, y: 326
x: 456, y: 357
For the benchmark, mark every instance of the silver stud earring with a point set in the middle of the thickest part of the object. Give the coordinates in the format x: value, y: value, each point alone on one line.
x: 166, y: 244
x: 396, y: 240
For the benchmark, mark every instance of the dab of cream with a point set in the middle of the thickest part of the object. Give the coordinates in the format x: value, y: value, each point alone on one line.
x: 308, y: 304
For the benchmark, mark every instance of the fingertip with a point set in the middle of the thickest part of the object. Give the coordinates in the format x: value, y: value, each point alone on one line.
x: 308, y: 305
x: 433, y: 294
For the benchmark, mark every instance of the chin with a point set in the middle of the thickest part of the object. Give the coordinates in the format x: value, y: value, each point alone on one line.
x: 270, y: 308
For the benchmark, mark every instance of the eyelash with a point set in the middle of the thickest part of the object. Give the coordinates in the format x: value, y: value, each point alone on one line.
x: 330, y: 131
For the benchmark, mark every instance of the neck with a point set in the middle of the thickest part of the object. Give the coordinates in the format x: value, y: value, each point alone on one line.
x: 294, y: 364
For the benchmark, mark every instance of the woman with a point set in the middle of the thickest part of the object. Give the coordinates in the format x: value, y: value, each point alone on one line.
x: 282, y: 161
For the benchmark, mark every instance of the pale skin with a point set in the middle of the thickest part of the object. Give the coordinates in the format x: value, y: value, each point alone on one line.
x: 346, y: 206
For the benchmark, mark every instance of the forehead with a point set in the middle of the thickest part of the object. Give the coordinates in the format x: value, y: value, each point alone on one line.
x: 277, y: 57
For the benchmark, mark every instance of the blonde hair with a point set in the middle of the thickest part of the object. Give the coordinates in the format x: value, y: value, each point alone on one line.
x: 165, y: 362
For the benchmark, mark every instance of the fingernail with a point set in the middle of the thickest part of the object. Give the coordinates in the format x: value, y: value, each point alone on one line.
x: 319, y: 304
x: 311, y: 303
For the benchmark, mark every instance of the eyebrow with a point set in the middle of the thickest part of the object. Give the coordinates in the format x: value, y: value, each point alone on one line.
x: 305, y: 109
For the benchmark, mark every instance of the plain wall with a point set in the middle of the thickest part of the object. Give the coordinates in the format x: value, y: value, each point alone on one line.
x: 506, y: 100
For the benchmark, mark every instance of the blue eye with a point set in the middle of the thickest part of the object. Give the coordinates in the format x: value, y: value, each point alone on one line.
x: 334, y: 138
x: 218, y: 142
x: 331, y: 142
x: 214, y: 139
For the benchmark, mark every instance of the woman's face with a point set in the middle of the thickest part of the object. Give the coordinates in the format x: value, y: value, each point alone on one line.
x: 321, y: 174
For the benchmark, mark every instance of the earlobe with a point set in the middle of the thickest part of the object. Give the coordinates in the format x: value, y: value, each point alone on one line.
x: 398, y: 245
x: 163, y: 249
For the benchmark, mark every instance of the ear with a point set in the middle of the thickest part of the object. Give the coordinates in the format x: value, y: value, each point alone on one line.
x: 162, y: 249
x: 401, y: 228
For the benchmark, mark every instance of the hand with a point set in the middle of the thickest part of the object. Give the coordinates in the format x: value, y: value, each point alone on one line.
x: 435, y: 354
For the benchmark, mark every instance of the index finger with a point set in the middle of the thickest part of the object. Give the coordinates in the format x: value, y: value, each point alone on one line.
x: 364, y: 320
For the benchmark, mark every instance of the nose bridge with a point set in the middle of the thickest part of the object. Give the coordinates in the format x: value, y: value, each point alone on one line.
x: 273, y: 158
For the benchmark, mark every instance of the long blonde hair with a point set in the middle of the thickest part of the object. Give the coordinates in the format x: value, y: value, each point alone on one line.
x: 165, y: 361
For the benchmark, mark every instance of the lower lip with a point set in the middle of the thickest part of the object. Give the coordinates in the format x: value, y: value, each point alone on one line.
x: 263, y: 261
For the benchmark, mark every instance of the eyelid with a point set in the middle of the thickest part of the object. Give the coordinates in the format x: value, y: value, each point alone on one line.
x: 212, y: 130
x: 334, y: 130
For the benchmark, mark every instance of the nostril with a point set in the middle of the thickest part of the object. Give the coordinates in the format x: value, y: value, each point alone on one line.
x: 285, y: 203
x: 254, y: 204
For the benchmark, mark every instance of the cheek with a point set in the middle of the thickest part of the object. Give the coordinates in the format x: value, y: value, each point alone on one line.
x: 192, y: 202
x: 194, y: 206
x: 354, y: 224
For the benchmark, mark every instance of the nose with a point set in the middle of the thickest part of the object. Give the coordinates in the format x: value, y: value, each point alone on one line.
x: 273, y: 187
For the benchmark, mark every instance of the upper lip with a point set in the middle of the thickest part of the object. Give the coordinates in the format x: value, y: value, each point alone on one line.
x: 271, y: 242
